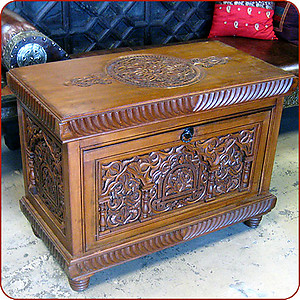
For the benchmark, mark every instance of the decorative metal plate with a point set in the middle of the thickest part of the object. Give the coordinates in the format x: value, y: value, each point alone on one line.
x: 150, y: 70
x: 31, y: 54
x: 31, y: 47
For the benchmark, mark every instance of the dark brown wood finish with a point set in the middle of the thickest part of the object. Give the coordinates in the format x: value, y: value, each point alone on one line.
x: 120, y: 162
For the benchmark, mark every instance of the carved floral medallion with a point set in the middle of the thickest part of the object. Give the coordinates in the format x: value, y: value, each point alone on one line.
x: 151, y: 70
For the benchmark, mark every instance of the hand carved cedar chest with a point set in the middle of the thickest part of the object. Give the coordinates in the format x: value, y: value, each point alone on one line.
x: 124, y: 155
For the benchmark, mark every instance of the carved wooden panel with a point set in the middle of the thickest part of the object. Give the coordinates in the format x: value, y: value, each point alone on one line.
x: 44, y: 158
x: 150, y: 70
x: 80, y: 26
x: 140, y: 187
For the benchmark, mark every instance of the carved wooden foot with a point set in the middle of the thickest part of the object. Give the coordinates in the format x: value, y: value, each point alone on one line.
x: 35, y: 232
x: 254, y: 222
x: 79, y: 285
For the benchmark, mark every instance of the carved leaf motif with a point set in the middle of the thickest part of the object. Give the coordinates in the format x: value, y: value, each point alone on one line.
x: 88, y: 80
x: 181, y: 180
x: 210, y: 61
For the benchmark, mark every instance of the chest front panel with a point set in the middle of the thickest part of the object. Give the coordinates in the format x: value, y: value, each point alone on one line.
x: 141, y: 182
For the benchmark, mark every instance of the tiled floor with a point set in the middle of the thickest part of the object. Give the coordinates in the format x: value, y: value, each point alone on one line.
x: 236, y: 262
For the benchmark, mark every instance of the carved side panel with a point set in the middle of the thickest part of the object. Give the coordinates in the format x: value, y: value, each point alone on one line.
x: 44, y: 157
x: 141, y: 187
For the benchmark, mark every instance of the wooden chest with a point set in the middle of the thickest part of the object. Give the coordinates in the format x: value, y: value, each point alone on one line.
x: 127, y: 154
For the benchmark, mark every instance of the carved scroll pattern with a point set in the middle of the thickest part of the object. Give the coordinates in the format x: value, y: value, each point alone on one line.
x: 88, y: 80
x: 44, y: 158
x: 143, y: 186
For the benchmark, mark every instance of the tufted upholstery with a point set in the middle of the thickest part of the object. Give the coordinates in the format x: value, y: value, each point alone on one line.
x: 107, y: 25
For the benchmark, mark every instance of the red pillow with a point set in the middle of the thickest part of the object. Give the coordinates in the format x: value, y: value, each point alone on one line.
x: 243, y: 20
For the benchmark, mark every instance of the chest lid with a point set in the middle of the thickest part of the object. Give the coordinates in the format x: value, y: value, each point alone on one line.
x: 97, y: 94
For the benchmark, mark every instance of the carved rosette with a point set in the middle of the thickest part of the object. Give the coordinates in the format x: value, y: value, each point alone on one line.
x: 132, y: 190
x: 150, y: 70
x: 44, y: 157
